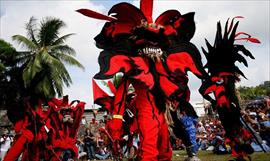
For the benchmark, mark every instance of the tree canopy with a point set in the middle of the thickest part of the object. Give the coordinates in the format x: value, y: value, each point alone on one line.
x: 248, y: 93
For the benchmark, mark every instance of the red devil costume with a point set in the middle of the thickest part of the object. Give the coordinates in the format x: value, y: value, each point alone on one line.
x: 47, y: 133
x: 221, y: 58
x: 154, y: 57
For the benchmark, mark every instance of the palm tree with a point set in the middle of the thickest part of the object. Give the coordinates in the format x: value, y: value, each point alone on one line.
x: 44, y: 72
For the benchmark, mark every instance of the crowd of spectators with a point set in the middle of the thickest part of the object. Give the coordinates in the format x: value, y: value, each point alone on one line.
x: 92, y: 142
x: 257, y: 116
x: 211, y: 135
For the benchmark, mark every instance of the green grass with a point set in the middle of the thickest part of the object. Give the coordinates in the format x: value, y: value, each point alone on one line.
x: 209, y: 156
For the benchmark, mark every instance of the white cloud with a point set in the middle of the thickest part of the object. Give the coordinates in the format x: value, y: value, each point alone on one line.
x: 14, y: 14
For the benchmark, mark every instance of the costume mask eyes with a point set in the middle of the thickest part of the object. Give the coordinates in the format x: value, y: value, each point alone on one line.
x: 221, y: 81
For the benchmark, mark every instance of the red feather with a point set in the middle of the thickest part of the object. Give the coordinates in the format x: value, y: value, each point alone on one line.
x: 242, y: 33
x: 145, y: 76
x: 147, y: 8
x: 238, y: 17
x: 119, y: 63
x: 210, y: 89
x: 182, y: 61
x: 231, y: 25
x: 128, y: 17
x: 96, y: 15
x: 127, y: 13
x: 165, y: 17
x: 253, y: 40
x: 167, y: 86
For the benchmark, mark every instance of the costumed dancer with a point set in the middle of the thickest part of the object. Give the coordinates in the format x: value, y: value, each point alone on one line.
x: 221, y: 58
x: 47, y: 133
x: 152, y: 56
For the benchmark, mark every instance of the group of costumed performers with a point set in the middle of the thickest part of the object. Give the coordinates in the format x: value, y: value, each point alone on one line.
x: 46, y: 133
x: 154, y: 58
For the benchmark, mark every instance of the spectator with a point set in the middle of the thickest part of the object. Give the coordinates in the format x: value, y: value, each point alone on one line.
x: 80, y: 145
x: 83, y: 121
x: 102, y: 152
x: 200, y: 128
x: 89, y: 143
x: 190, y: 127
x: 5, y: 143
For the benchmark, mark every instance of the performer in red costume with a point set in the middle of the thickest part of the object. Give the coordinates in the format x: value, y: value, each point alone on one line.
x: 47, y: 133
x: 153, y: 56
x: 221, y: 58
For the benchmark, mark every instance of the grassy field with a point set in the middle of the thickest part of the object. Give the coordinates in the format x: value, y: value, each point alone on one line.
x: 209, y: 156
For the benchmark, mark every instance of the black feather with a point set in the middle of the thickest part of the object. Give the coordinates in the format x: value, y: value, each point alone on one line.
x: 226, y: 29
x: 240, y: 59
x: 244, y: 51
x: 218, y: 39
x: 208, y: 45
x: 237, y: 70
x: 205, y: 53
x: 232, y: 36
x: 222, y: 56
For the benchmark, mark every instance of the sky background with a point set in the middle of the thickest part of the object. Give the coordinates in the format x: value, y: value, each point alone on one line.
x: 15, y: 14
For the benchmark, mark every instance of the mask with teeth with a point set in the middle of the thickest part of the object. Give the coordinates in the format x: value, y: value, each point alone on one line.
x: 150, y: 41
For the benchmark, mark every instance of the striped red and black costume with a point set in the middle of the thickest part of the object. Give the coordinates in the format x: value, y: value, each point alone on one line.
x: 154, y: 57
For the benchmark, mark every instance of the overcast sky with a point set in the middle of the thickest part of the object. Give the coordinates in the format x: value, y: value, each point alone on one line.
x: 14, y: 15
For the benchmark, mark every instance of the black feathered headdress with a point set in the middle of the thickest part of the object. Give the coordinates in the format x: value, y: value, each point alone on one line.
x: 221, y: 57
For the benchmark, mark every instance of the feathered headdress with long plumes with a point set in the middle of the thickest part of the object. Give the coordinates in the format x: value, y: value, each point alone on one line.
x: 221, y: 57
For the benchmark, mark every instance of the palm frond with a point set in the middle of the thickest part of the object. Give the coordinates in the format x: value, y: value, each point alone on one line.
x: 27, y: 72
x: 23, y: 58
x: 45, y: 88
x: 25, y: 42
x: 69, y: 60
x: 57, y: 82
x: 62, y: 49
x: 49, y: 30
x: 32, y: 30
x: 57, y: 67
x: 62, y: 39
x: 58, y: 86
x: 33, y: 67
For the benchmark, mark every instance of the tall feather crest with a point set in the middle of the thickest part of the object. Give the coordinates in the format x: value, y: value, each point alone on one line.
x: 221, y: 57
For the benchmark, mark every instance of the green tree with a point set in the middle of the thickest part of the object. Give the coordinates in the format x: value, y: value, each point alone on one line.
x: 10, y: 75
x: 44, y: 73
x: 266, y: 86
x: 248, y: 93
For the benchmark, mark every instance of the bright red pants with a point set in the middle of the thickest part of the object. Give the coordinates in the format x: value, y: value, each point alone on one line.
x: 153, y: 129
